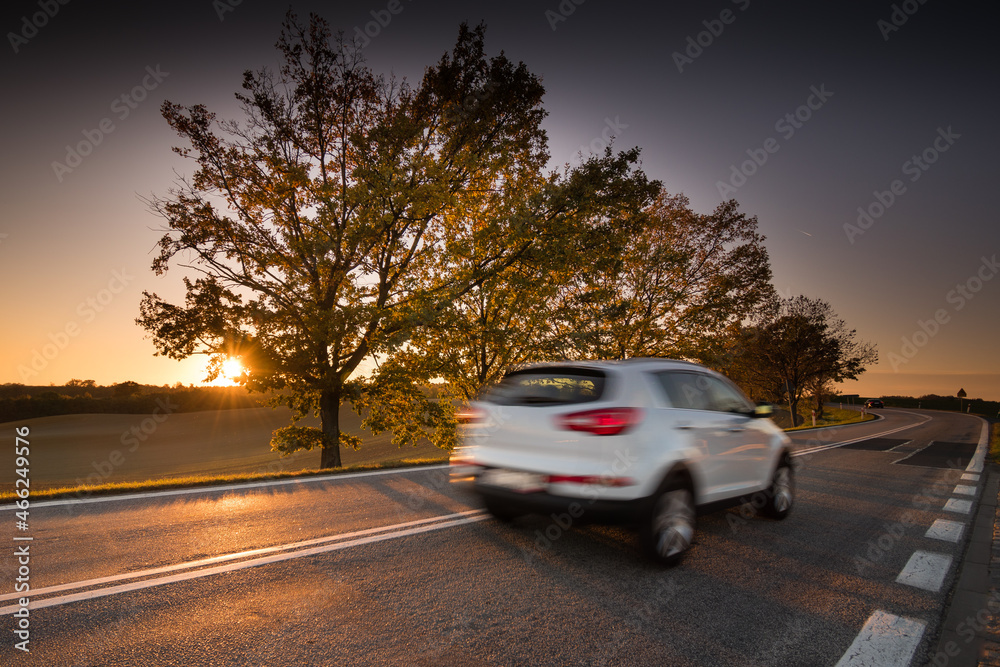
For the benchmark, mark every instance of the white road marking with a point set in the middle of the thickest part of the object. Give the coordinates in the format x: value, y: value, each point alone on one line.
x: 958, y: 506
x: 925, y: 570
x: 273, y: 558
x: 942, y: 529
x: 964, y: 490
x: 979, y: 458
x: 138, y: 574
x: 820, y: 448
x: 885, y: 640
x: 227, y: 487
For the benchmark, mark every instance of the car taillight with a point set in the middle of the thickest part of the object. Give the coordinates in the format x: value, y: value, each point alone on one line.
x: 470, y: 416
x: 605, y: 421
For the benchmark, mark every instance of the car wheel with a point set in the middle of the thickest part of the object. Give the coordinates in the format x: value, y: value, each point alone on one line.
x: 669, y: 528
x: 781, y: 493
x: 500, y: 511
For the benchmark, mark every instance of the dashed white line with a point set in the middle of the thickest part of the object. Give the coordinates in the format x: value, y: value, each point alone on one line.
x: 958, y: 506
x: 886, y: 640
x: 942, y: 529
x: 925, y: 570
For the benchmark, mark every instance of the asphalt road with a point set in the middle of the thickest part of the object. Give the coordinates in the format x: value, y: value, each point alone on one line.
x: 401, y: 568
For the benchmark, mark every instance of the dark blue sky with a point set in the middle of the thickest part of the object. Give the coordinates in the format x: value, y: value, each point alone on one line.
x: 864, y: 100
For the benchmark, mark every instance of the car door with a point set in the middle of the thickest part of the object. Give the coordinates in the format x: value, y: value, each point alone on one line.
x: 741, y: 444
x: 715, y: 416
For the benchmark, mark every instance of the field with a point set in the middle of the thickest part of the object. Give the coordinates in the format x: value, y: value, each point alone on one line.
x: 102, y: 448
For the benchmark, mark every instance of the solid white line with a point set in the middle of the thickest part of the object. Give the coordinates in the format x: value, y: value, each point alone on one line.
x: 138, y: 574
x: 885, y: 640
x: 958, y: 506
x: 227, y: 487
x: 820, y: 448
x: 964, y: 490
x: 942, y: 529
x: 274, y: 558
x: 979, y: 458
x: 925, y: 570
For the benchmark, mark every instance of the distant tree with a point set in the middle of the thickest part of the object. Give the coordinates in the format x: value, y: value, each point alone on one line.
x: 13, y: 390
x: 323, y: 224
x: 126, y: 389
x: 796, y: 344
x: 85, y: 384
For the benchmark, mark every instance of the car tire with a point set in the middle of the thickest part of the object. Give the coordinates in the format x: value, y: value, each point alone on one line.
x: 668, y: 529
x: 781, y: 493
x: 500, y: 511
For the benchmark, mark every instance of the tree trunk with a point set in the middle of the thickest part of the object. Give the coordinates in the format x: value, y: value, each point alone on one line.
x: 329, y: 413
x: 793, y: 408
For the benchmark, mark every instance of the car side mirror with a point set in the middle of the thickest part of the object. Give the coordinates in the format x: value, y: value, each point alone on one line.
x: 763, y: 410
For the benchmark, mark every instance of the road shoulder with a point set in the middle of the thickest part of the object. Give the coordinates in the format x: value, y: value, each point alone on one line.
x: 970, y: 631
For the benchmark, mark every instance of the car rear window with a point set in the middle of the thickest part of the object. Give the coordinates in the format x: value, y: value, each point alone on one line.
x: 548, y: 386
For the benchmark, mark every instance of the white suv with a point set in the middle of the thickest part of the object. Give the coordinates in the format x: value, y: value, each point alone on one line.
x: 649, y: 441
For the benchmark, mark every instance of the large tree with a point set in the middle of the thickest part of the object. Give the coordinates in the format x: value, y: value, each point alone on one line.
x: 318, y: 224
x: 794, y: 346
x: 516, y: 315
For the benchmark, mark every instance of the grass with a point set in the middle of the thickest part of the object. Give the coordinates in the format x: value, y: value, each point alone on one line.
x: 832, y: 417
x: 994, y: 454
x: 194, y: 481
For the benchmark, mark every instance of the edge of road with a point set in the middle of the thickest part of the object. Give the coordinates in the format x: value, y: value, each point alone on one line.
x: 969, y: 635
x: 888, y: 640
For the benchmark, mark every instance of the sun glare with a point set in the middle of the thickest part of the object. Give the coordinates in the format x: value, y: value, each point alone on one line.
x: 232, y: 369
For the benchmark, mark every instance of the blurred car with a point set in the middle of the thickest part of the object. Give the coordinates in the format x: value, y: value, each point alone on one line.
x: 874, y: 403
x: 645, y: 441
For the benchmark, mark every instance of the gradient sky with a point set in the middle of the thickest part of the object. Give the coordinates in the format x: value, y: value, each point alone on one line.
x: 76, y: 245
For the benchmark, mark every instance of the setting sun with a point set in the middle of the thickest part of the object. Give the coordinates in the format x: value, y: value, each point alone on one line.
x: 232, y: 369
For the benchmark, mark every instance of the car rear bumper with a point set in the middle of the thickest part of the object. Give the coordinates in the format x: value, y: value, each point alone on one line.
x: 580, y: 510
